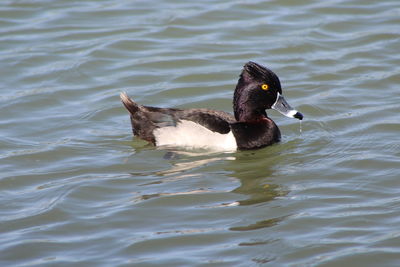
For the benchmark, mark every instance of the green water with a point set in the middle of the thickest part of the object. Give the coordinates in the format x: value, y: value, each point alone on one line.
x: 77, y: 189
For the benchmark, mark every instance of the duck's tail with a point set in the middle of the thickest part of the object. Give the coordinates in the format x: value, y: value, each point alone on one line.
x: 131, y: 106
x: 142, y: 126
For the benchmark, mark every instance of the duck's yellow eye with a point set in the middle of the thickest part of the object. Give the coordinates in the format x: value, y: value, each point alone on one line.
x: 264, y: 87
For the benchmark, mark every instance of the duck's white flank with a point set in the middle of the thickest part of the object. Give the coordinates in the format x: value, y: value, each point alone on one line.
x: 190, y: 134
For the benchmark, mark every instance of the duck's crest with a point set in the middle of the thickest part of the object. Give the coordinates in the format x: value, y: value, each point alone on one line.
x: 258, y: 72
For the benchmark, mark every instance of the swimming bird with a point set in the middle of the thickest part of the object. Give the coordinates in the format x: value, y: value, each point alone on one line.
x: 258, y: 89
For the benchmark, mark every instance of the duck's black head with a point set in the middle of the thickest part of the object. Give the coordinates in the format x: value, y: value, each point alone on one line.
x: 259, y: 89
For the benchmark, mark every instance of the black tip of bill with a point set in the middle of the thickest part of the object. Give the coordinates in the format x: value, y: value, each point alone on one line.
x: 298, y: 115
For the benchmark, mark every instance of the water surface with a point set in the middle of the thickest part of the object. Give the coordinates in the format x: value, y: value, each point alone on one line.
x: 78, y: 189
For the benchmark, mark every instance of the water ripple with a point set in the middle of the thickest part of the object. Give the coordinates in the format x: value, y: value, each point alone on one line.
x: 78, y: 189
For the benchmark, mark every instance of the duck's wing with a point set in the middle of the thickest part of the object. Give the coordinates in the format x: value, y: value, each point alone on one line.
x: 214, y: 120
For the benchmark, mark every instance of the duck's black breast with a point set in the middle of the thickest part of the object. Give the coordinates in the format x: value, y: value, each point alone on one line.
x: 256, y: 134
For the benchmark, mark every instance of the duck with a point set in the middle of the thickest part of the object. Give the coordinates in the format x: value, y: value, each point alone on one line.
x: 249, y: 127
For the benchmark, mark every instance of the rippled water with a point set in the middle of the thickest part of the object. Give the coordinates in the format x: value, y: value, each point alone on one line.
x: 78, y: 189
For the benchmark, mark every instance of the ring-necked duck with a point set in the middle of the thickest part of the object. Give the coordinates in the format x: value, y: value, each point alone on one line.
x: 258, y: 89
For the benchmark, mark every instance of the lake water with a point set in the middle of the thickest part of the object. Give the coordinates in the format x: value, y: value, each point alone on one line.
x: 77, y: 188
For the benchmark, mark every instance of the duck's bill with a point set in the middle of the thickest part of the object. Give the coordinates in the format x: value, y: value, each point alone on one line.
x: 284, y: 108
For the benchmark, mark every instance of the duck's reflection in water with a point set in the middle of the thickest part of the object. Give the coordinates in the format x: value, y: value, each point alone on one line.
x: 237, y: 197
x: 254, y: 171
x: 251, y: 169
